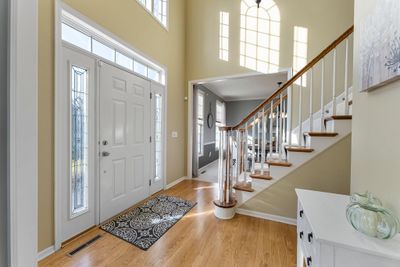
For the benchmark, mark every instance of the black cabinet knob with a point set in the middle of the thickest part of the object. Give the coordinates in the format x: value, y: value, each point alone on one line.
x: 301, y: 213
x: 301, y: 235
x: 309, y: 261
x: 310, y: 237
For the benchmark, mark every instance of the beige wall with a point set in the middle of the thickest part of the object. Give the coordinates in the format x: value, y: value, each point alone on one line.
x: 327, y: 172
x: 376, y: 132
x: 129, y: 21
x: 325, y: 19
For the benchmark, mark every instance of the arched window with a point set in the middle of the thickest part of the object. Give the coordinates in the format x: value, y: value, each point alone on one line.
x: 259, y: 36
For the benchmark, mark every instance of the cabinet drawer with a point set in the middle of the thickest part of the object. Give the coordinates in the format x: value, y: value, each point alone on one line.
x: 309, y: 245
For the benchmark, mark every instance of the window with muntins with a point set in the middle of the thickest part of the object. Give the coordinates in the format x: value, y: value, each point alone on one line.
x: 224, y: 36
x: 158, y: 8
x: 219, y: 122
x: 259, y: 36
x: 300, y: 47
x: 200, y: 123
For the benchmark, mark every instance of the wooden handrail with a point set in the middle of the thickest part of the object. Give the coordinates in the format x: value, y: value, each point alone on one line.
x: 311, y: 64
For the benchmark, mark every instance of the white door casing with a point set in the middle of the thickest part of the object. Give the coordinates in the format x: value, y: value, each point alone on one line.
x: 124, y: 140
x: 75, y: 223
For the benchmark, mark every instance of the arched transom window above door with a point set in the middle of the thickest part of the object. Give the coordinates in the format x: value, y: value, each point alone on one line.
x: 260, y: 36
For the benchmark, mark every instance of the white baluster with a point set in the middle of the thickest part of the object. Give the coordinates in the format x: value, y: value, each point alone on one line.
x: 264, y: 141
x: 246, y: 151
x: 253, y: 145
x: 289, y: 115
x: 322, y: 94
x: 300, y: 111
x: 277, y: 149
x: 271, y: 125
x: 280, y: 126
x: 227, y: 165
x: 311, y: 100
x: 346, y: 79
x: 260, y: 117
x: 221, y: 169
x: 334, y: 84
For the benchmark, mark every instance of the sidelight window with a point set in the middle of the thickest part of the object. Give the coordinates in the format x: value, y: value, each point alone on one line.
x: 79, y: 141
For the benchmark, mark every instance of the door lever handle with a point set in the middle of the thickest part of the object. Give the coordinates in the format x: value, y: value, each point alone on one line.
x: 105, y: 154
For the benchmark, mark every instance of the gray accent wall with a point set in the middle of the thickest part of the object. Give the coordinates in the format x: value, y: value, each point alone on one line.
x: 237, y: 110
x: 210, y: 154
x: 3, y: 130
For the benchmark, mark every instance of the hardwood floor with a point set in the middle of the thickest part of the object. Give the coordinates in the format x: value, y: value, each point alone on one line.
x: 198, y: 239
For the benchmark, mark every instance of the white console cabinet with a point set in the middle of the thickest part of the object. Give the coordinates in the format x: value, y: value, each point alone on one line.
x: 326, y: 239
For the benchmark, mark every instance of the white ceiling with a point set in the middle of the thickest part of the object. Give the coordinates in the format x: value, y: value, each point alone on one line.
x: 256, y: 86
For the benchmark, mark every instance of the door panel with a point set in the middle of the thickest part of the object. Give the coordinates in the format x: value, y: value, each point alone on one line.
x: 124, y: 140
x: 78, y: 194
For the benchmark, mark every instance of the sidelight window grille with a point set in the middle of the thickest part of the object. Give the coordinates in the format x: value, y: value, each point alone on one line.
x: 79, y: 140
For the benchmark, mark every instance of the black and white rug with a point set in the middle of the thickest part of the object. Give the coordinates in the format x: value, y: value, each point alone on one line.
x: 144, y: 225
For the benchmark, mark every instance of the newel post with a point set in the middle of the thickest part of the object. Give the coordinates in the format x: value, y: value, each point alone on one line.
x: 225, y: 204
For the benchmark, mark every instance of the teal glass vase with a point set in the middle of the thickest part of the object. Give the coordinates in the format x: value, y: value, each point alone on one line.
x: 367, y: 215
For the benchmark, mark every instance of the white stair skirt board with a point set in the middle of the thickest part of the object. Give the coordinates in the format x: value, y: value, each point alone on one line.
x: 267, y: 216
x: 319, y: 144
x: 45, y: 253
x: 168, y: 186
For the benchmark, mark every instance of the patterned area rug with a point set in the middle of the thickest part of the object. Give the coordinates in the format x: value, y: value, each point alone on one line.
x: 144, y: 225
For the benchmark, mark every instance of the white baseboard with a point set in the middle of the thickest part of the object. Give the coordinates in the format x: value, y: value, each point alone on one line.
x: 45, y: 253
x: 267, y: 216
x: 208, y: 165
x: 168, y: 186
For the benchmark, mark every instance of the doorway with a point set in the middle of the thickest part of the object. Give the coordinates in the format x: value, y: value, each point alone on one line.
x: 113, y: 132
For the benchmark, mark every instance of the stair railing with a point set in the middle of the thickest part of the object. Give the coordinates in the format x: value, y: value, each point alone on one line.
x: 262, y: 138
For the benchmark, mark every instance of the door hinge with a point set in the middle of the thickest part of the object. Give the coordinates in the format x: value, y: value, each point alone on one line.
x: 151, y: 95
x: 150, y: 139
x: 150, y: 182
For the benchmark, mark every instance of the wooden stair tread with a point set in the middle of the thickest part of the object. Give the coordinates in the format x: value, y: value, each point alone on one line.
x: 257, y: 175
x: 279, y: 163
x: 299, y: 149
x: 339, y: 117
x: 243, y: 186
x: 321, y: 134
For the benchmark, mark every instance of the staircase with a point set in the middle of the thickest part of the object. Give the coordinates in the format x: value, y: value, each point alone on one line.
x: 303, y: 117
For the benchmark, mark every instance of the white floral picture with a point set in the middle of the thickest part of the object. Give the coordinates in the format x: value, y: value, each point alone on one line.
x: 380, y: 45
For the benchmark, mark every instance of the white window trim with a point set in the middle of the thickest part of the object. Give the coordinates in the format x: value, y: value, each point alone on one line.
x: 166, y: 26
x: 22, y: 133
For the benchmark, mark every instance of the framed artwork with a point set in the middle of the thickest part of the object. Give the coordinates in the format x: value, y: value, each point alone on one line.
x: 380, y: 45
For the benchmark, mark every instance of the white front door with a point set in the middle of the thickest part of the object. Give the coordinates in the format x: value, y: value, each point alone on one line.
x: 125, y: 125
x: 77, y: 128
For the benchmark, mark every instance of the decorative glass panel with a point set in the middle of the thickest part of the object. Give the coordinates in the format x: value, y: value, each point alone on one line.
x: 158, y: 136
x: 103, y: 51
x: 76, y: 37
x: 79, y: 140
